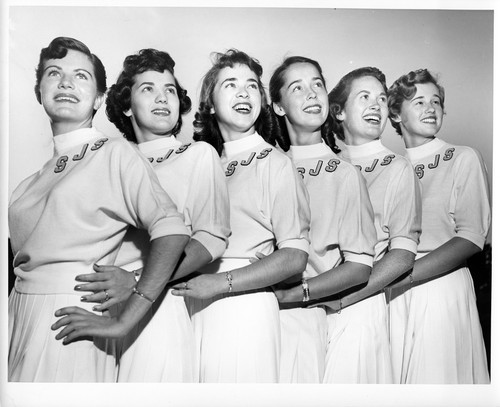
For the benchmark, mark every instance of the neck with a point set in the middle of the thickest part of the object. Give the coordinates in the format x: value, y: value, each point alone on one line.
x: 351, y: 140
x: 66, y: 127
x: 416, y: 141
x: 303, y: 138
x: 230, y: 135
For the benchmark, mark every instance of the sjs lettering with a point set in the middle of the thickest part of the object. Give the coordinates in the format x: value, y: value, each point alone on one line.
x: 63, y: 160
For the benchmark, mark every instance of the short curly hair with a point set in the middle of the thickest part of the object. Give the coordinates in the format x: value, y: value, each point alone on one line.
x: 404, y: 88
x: 340, y: 93
x: 118, y: 100
x: 58, y: 49
x: 205, y: 124
x: 276, y: 84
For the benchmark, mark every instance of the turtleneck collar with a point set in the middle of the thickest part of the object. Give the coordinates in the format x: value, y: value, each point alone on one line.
x: 363, y: 150
x: 309, y: 151
x: 424, y: 150
x: 237, y: 146
x: 66, y: 141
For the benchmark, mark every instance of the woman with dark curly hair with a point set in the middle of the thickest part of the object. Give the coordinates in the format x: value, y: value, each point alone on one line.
x: 358, y: 350
x: 146, y: 104
x: 443, y: 342
x: 72, y: 214
x: 236, y: 314
x: 342, y: 230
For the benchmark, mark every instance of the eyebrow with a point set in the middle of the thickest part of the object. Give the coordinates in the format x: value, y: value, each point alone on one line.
x: 168, y: 85
x: 235, y: 79
x: 74, y: 70
x: 421, y: 97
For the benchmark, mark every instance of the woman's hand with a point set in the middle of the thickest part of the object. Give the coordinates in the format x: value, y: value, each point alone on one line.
x: 203, y: 286
x: 79, y: 323
x: 258, y: 256
x: 288, y: 292
x: 111, y: 285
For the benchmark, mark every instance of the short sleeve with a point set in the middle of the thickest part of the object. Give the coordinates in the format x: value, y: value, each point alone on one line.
x: 404, y: 205
x: 471, y: 201
x: 290, y: 213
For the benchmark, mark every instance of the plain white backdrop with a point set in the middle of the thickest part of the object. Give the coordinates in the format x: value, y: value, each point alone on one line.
x: 454, y: 39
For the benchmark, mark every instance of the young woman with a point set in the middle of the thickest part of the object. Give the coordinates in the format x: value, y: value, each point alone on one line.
x: 361, y: 353
x: 146, y: 105
x: 342, y: 229
x: 443, y: 342
x: 71, y: 82
x: 237, y: 324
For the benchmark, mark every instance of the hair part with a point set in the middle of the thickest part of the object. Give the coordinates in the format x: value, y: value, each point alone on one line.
x: 205, y: 123
x: 276, y: 85
x: 119, y: 96
x: 404, y: 88
x: 340, y: 93
x: 58, y: 49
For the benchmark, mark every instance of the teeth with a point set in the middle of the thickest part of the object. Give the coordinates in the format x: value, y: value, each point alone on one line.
x: 313, y: 109
x: 242, y: 107
x: 161, y: 112
x: 431, y: 120
x: 372, y: 118
x: 66, y: 99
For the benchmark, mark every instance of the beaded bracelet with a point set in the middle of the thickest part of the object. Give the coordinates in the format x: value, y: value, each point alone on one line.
x: 411, y: 279
x: 229, y: 278
x: 305, y: 290
x: 137, y: 275
x: 340, y: 304
x: 136, y: 291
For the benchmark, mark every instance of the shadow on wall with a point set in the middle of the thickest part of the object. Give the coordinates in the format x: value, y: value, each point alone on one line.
x: 480, y: 267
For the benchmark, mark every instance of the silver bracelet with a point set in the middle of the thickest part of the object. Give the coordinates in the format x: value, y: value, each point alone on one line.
x: 340, y: 305
x: 305, y: 290
x: 137, y: 275
x: 136, y: 291
x: 229, y: 278
x: 411, y: 279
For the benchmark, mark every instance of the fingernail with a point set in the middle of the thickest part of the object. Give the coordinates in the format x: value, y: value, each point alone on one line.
x: 94, y: 308
x: 83, y: 299
x: 77, y: 287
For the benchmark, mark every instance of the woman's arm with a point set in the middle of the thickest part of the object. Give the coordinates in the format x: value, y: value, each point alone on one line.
x: 276, y: 267
x: 395, y: 263
x: 335, y: 280
x: 446, y: 257
x: 164, y: 255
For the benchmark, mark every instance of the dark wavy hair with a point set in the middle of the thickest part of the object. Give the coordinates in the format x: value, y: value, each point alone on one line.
x: 404, y: 89
x: 276, y: 84
x: 118, y: 100
x: 205, y: 124
x: 340, y: 93
x: 57, y: 49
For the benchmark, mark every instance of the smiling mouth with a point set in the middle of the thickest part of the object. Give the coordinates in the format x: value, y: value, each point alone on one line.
x: 314, y: 109
x: 372, y: 118
x: 64, y: 97
x: 244, y: 108
x: 429, y: 120
x: 161, y: 112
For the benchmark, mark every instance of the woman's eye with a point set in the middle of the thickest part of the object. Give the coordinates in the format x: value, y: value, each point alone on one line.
x: 297, y: 88
x: 437, y: 102
x: 53, y: 72
x: 383, y: 99
x: 364, y: 96
x: 253, y: 86
x: 319, y: 84
x: 171, y: 90
x: 147, y: 89
x: 230, y: 85
x: 80, y: 75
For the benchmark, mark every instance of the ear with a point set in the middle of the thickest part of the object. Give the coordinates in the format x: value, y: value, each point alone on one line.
x: 278, y: 109
x: 212, y: 110
x: 128, y: 112
x: 396, y: 118
x: 99, y: 100
x: 340, y: 116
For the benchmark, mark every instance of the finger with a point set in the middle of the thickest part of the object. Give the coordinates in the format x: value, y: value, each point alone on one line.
x: 106, y: 269
x: 105, y: 305
x: 64, y: 321
x: 180, y: 292
x: 260, y: 255
x: 91, y: 277
x: 71, y: 311
x: 99, y: 297
x: 94, y: 287
x: 253, y: 260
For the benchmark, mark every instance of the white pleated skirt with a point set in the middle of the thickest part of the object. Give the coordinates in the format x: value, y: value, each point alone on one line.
x: 444, y: 340
x: 36, y: 356
x: 358, y: 344
x: 399, y: 310
x: 161, y: 348
x: 238, y: 337
x: 303, y: 345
